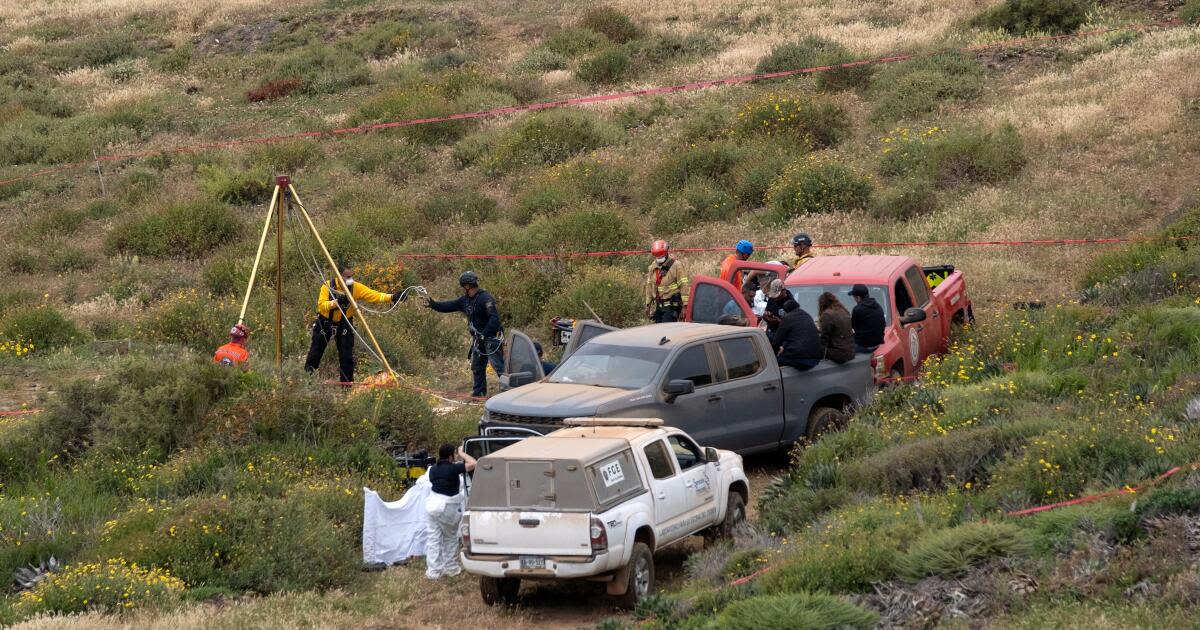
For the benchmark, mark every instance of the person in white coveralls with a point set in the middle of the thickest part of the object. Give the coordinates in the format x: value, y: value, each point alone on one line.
x: 445, y: 509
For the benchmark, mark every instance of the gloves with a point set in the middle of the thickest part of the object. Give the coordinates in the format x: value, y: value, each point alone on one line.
x: 398, y: 297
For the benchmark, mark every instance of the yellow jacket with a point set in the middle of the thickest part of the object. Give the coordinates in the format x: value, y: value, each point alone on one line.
x: 327, y: 304
x: 802, y: 259
x: 674, y: 282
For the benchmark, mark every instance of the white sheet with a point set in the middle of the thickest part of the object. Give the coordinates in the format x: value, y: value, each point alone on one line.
x: 395, y: 531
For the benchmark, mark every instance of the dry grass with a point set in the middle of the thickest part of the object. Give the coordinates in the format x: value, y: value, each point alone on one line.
x: 184, y: 17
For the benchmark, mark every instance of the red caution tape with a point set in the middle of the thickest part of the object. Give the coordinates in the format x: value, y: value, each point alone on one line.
x: 1097, y: 497
x: 691, y: 250
x: 453, y: 396
x: 567, y: 102
x: 19, y: 412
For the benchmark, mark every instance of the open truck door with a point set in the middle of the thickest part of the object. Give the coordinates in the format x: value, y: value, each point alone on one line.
x: 584, y: 331
x: 521, y: 363
x: 715, y: 301
x: 743, y: 269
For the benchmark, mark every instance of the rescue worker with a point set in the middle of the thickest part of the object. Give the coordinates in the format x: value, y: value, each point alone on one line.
x: 483, y: 322
x: 836, y: 331
x: 444, y: 506
x: 797, y: 340
x: 802, y: 247
x: 234, y: 352
x: 742, y: 251
x: 666, y: 286
x: 867, y: 320
x: 335, y: 320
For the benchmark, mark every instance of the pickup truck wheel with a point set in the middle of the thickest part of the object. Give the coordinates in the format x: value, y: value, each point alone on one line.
x: 641, y: 577
x: 824, y: 420
x: 735, y: 514
x: 499, y: 591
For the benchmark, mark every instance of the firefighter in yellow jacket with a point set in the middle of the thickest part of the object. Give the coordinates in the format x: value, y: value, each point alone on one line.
x: 335, y: 320
x: 666, y: 286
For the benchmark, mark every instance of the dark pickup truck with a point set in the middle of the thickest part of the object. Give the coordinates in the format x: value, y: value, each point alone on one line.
x: 721, y: 384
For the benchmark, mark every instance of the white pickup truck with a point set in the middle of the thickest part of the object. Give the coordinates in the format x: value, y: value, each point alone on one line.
x: 595, y: 500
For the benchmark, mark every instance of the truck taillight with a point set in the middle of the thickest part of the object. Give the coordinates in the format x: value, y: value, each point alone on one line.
x: 599, y: 535
x: 464, y: 530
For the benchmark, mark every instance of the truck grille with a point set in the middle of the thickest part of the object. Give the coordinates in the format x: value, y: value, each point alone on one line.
x: 510, y: 418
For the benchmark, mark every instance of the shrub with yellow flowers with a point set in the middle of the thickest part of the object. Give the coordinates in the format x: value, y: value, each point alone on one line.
x: 816, y: 183
x: 814, y: 121
x: 14, y: 348
x: 114, y: 584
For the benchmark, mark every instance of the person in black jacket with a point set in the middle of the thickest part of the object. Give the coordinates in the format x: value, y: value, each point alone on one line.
x: 483, y: 322
x: 867, y: 320
x: 797, y: 340
x: 837, y: 332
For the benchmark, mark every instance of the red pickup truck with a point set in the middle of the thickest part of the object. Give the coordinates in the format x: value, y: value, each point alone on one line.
x: 920, y: 303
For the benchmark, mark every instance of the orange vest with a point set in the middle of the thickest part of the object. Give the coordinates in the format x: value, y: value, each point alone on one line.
x: 231, y: 354
x: 727, y: 275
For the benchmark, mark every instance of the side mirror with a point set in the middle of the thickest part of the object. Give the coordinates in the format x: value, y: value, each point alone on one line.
x: 678, y: 387
x: 912, y: 316
x: 711, y: 456
x: 517, y: 379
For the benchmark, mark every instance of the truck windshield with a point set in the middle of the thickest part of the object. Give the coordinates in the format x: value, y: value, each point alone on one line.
x: 605, y: 365
x: 806, y: 296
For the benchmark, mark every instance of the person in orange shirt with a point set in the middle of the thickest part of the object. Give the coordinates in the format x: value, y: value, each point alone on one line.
x: 743, y: 251
x: 234, y: 352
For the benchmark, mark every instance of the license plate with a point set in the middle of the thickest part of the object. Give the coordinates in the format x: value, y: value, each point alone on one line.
x: 533, y: 562
x: 564, y: 337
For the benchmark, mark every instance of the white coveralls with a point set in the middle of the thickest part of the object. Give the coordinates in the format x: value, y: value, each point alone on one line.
x: 441, y: 533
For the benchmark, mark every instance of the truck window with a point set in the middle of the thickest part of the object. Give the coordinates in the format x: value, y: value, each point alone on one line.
x: 741, y: 357
x: 659, y: 460
x: 686, y: 451
x: 614, y: 477
x: 904, y: 299
x: 916, y: 280
x: 711, y: 303
x: 692, y: 365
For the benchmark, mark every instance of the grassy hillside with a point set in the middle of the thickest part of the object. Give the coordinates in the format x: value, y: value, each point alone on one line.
x: 149, y: 472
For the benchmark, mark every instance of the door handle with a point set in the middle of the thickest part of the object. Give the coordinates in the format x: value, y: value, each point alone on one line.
x: 920, y: 329
x: 662, y: 495
x: 769, y: 387
x: 714, y: 398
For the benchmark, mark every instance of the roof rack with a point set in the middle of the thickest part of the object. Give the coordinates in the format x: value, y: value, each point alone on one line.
x: 613, y: 422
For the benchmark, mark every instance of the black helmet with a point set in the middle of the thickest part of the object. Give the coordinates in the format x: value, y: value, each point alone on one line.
x: 801, y: 239
x: 468, y: 277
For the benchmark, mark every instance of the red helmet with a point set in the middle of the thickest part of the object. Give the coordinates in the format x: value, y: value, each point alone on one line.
x: 658, y: 248
x: 239, y: 331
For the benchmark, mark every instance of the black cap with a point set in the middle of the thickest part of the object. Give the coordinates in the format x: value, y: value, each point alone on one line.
x: 801, y: 239
x: 859, y: 290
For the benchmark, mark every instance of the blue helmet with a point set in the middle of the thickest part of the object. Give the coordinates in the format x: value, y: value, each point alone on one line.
x: 745, y: 247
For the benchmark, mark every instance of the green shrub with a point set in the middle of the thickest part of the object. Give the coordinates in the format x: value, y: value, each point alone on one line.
x: 611, y: 23
x: 914, y: 88
x: 322, y: 69
x: 606, y: 66
x: 394, y: 224
x: 229, y: 544
x: 1169, y: 502
x: 905, y: 199
x: 585, y: 230
x: 92, y: 51
x: 976, y: 155
x: 190, y: 319
x: 572, y: 42
x: 816, y: 184
x: 847, y: 566
x: 1112, y: 264
x: 616, y: 299
x: 927, y: 463
x: 285, y: 157
x: 42, y: 326
x: 713, y: 161
x: 813, y: 51
x: 66, y: 259
x: 800, y: 611
x: 950, y: 552
x: 101, y: 209
x: 58, y: 222
x: 700, y: 201
x: 22, y: 261
x: 634, y: 116
x: 401, y: 416
x: 469, y: 206
x: 175, y: 61
x: 395, y: 157
x: 346, y: 242
x: 1020, y: 17
x: 448, y: 59
x: 482, y: 98
x: 181, y: 230
x: 226, y: 276
x: 752, y: 177
x: 541, y: 60
x: 416, y: 102
x: 113, y: 585
x: 661, y: 49
x: 1189, y: 13
x: 235, y: 186
x: 475, y: 148
x: 565, y: 184
x: 549, y: 138
x: 810, y: 121
x: 382, y: 39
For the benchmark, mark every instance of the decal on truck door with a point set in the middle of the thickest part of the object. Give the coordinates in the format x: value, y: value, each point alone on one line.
x: 914, y: 347
x: 612, y: 474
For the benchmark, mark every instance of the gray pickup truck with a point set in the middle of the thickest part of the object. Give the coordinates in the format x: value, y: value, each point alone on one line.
x: 721, y: 384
